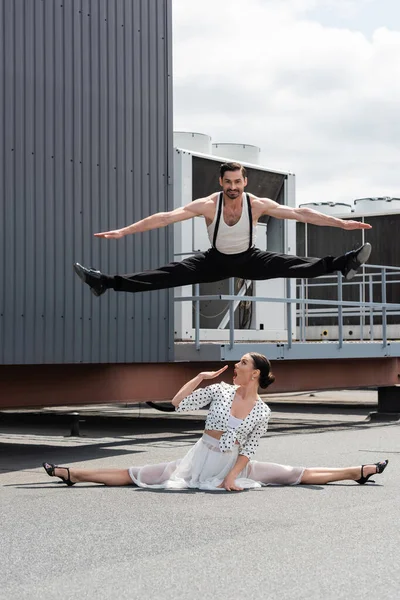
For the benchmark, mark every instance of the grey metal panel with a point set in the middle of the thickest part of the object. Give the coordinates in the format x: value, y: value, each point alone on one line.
x: 2, y: 193
x: 280, y: 351
x: 86, y: 145
x: 10, y: 320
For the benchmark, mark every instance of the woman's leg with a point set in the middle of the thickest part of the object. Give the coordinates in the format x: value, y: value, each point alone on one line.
x: 321, y: 475
x: 106, y: 476
x: 275, y: 474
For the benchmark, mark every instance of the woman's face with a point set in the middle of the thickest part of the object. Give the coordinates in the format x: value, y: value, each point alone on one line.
x: 244, y: 371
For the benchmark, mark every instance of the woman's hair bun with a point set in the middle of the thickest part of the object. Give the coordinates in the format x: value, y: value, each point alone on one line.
x: 266, y: 380
x: 262, y: 363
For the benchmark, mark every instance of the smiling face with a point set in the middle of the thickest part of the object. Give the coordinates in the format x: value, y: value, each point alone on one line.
x: 245, y: 371
x: 233, y: 184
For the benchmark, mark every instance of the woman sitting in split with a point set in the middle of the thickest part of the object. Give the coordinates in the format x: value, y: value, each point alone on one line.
x: 223, y: 457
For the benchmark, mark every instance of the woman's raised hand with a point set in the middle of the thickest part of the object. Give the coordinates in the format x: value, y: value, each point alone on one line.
x: 212, y: 374
x: 115, y: 234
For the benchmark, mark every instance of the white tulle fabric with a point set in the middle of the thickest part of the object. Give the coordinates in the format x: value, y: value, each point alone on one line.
x: 205, y: 467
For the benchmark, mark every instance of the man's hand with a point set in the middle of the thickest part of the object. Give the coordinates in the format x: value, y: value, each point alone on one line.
x: 230, y: 485
x: 115, y: 234
x: 355, y: 225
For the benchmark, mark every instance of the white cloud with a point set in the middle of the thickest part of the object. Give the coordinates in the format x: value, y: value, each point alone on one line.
x: 320, y: 101
x: 344, y: 8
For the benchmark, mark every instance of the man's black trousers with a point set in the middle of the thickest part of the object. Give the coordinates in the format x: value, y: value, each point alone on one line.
x: 215, y: 266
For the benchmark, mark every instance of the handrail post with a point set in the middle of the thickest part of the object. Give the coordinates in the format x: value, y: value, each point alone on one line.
x: 340, y: 309
x: 302, y: 313
x: 197, y: 317
x: 384, y: 316
x: 371, y: 310
x: 289, y: 312
x: 231, y: 314
x: 360, y: 287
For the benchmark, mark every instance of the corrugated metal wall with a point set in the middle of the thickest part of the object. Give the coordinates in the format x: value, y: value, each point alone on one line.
x: 86, y: 145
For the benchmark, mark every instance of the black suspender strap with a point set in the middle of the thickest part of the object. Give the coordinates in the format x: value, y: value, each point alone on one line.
x: 220, y: 203
x: 219, y: 211
x: 250, y: 221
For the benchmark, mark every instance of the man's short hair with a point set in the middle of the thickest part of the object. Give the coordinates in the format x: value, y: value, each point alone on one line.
x: 232, y: 166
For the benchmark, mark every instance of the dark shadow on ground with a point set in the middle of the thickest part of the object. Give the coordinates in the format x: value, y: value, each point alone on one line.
x: 89, y: 424
x: 22, y: 457
x: 15, y: 456
x: 114, y: 426
x: 320, y: 409
x: 52, y: 484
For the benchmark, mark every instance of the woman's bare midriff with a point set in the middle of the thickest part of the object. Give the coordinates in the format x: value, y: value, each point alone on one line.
x: 216, y: 434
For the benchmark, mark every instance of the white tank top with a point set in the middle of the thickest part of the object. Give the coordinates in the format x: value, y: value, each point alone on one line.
x: 232, y: 239
x: 234, y: 422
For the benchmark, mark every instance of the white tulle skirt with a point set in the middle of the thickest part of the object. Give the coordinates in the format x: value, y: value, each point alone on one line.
x: 205, y: 467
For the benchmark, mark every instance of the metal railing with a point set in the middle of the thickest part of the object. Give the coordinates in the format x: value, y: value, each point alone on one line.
x: 339, y: 306
x: 372, y: 275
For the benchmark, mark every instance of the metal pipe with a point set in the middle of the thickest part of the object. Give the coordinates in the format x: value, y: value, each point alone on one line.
x: 225, y: 318
x: 371, y: 310
x: 384, y: 316
x: 302, y: 314
x: 231, y: 314
x: 361, y: 287
x: 227, y: 297
x: 289, y: 312
x: 340, y: 309
x: 197, y: 317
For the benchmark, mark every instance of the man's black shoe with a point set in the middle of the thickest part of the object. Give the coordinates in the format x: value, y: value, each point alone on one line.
x: 355, y: 260
x: 94, y: 279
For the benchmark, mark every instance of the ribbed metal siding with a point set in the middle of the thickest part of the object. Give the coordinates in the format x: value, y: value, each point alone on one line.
x: 86, y: 143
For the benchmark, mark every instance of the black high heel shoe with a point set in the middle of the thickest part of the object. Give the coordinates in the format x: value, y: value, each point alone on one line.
x: 380, y: 467
x: 49, y: 468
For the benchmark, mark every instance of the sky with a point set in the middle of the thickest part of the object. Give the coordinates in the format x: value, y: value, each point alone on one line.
x: 314, y: 83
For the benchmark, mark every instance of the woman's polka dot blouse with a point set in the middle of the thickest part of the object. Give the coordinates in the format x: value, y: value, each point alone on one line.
x: 220, y: 397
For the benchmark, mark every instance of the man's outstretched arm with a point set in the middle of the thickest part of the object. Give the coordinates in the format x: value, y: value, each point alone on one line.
x: 162, y: 219
x: 307, y: 215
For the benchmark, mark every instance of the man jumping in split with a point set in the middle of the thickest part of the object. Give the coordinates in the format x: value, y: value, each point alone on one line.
x: 231, y: 217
